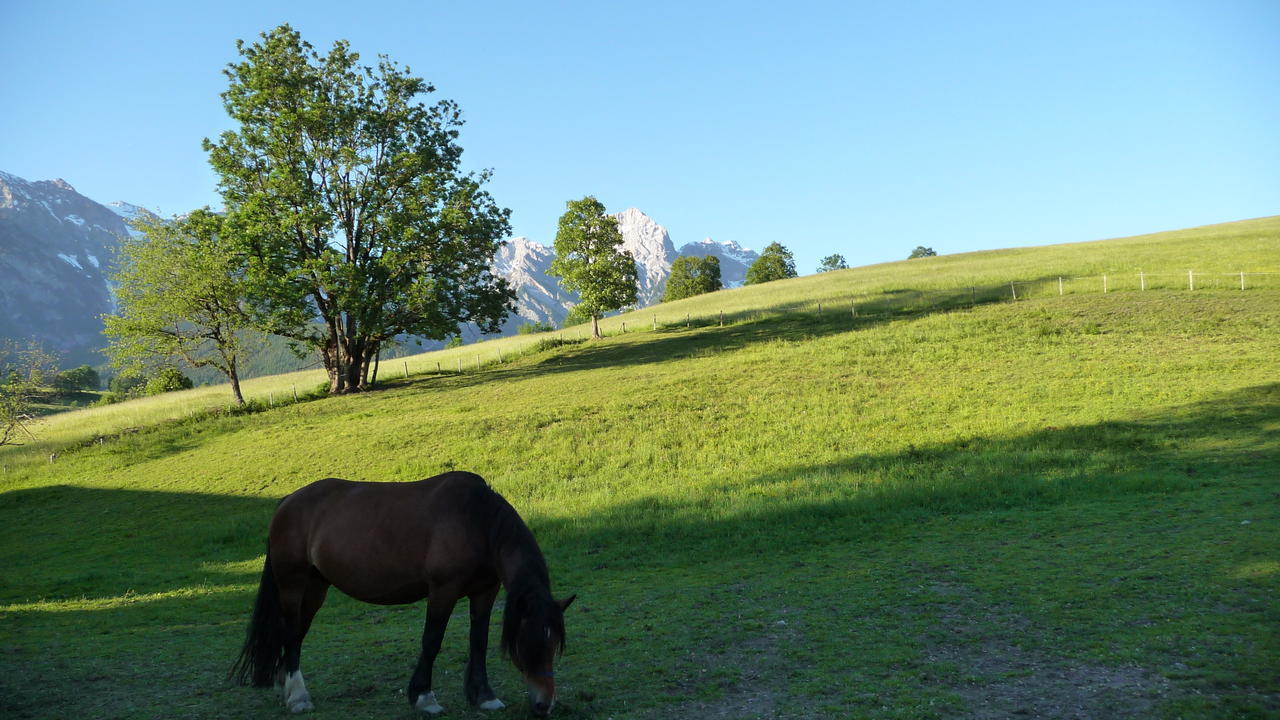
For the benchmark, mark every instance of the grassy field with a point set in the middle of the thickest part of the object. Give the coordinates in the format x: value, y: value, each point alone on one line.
x: 1060, y: 507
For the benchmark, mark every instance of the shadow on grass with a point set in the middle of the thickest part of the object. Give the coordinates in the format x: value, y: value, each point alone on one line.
x: 862, y: 496
x: 72, y: 543
x: 68, y: 543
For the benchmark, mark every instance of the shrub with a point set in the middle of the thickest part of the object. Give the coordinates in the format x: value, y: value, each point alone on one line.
x: 535, y: 327
x: 168, y: 379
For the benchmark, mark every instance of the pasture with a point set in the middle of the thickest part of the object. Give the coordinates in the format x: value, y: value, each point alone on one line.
x: 1060, y: 507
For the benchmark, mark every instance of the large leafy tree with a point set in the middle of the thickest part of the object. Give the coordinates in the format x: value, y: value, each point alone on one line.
x: 179, y: 290
x: 346, y: 195
x: 921, y: 251
x: 775, y: 263
x: 692, y: 276
x: 590, y: 261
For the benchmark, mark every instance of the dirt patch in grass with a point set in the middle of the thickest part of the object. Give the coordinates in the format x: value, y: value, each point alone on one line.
x: 1004, y: 668
x: 746, y: 679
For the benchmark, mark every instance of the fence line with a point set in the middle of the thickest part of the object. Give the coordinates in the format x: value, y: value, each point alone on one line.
x: 960, y: 296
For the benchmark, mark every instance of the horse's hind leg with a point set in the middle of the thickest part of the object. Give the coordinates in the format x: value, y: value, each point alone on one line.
x: 300, y: 600
x: 477, y: 687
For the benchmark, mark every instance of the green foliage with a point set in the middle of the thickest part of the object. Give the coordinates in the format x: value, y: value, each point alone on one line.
x: 589, y: 260
x: 346, y: 196
x: 774, y: 263
x: 454, y: 341
x: 81, y: 378
x: 692, y: 276
x: 128, y: 383
x: 921, y: 251
x: 180, y: 288
x: 167, y: 379
x: 26, y: 368
x: 833, y: 262
x: 535, y: 327
x: 577, y: 315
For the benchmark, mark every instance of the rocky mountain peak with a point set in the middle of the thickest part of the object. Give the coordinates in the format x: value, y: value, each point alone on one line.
x: 650, y: 245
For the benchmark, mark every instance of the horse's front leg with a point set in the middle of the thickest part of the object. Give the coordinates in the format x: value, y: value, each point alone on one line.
x: 477, y: 687
x: 439, y: 607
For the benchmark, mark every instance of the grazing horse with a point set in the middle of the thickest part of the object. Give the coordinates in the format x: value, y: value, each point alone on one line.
x: 443, y: 538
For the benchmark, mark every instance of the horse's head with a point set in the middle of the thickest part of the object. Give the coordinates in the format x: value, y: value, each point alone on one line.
x: 532, y: 636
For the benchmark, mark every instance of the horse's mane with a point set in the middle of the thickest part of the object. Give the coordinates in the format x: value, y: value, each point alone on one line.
x: 528, y: 587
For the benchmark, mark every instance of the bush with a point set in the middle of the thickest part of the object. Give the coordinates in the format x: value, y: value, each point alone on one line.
x: 535, y: 327
x: 81, y: 378
x: 168, y: 379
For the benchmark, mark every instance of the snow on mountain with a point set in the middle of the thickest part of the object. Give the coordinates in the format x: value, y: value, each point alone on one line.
x: 539, y: 296
x: 129, y: 212
x: 650, y: 245
x: 734, y: 259
x: 55, y: 248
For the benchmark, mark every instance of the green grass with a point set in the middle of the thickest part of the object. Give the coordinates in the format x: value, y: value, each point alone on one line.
x: 1062, y: 506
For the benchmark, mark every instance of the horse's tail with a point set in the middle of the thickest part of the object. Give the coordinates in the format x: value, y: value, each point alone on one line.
x: 263, y: 653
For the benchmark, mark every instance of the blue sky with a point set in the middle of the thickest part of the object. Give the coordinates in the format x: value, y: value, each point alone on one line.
x: 857, y: 128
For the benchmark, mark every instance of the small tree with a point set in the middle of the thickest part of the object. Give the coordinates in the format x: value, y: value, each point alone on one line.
x: 692, y: 276
x: 775, y: 263
x: 25, y: 371
x: 921, y: 251
x: 179, y: 290
x: 589, y: 260
x: 833, y: 262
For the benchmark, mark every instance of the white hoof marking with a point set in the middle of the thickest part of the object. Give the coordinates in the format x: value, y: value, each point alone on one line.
x: 296, y: 697
x: 494, y: 704
x: 427, y: 704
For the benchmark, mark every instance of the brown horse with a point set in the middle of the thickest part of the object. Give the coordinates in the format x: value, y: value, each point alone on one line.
x: 444, y: 538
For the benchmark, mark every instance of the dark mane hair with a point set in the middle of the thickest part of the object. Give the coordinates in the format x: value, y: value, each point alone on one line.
x: 528, y: 590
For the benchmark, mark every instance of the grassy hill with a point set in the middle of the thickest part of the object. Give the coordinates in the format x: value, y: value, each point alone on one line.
x: 947, y: 505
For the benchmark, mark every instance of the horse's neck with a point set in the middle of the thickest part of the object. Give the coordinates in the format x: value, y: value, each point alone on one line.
x: 522, y: 569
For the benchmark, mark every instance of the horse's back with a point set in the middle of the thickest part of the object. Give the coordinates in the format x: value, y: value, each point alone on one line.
x: 383, y: 542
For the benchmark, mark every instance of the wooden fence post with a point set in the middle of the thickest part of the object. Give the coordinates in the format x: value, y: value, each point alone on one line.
x: 1191, y: 280
x: 1242, y: 280
x: 1142, y: 280
x: 686, y: 321
x: 721, y: 318
x: 1059, y: 286
x: 655, y: 323
x: 295, y: 393
x: 1104, y: 283
x: 1013, y: 289
x: 406, y: 368
x: 819, y: 311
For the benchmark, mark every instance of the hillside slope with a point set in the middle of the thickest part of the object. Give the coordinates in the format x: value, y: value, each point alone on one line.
x: 1063, y: 506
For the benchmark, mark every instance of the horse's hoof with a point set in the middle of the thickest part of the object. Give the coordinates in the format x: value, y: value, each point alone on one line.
x: 427, y: 704
x: 494, y: 704
x: 301, y: 706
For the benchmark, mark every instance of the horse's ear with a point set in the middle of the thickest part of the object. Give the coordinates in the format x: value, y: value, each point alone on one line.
x: 565, y: 603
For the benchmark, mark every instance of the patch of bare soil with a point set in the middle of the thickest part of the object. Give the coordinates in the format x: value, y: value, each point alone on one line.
x: 1005, y: 670
x: 745, y: 680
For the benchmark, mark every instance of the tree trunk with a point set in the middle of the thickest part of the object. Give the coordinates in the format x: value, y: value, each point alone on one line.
x: 595, y: 327
x: 234, y: 374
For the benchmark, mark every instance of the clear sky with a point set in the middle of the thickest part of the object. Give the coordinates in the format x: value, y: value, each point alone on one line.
x: 859, y: 128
